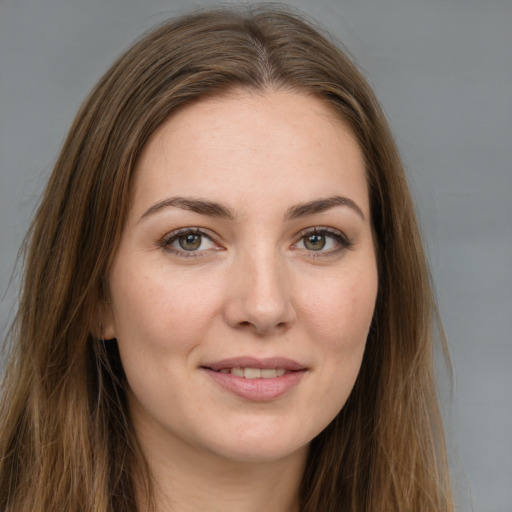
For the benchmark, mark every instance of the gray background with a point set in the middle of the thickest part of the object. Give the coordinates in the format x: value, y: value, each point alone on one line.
x: 443, y: 72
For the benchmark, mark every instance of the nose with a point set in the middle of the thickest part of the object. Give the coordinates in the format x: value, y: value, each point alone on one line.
x: 260, y: 296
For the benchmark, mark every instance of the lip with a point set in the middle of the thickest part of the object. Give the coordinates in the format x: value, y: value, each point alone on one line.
x: 258, y: 389
x: 254, y: 362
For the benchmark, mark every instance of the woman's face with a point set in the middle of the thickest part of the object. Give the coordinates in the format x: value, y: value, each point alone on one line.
x: 245, y: 282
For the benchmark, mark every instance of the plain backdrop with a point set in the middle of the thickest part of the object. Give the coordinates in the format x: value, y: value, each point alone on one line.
x: 443, y: 73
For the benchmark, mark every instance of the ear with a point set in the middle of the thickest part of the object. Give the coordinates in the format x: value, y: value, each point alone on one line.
x: 105, y: 325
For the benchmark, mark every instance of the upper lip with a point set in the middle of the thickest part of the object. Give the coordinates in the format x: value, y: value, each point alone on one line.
x: 254, y: 362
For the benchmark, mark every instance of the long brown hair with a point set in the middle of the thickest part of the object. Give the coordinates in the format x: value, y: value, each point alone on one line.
x: 66, y: 438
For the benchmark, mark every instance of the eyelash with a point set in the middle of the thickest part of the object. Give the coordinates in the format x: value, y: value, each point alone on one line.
x: 170, y: 238
x: 340, y: 238
x: 343, y: 242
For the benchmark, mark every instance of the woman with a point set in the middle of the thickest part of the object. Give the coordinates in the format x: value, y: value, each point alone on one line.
x: 226, y: 303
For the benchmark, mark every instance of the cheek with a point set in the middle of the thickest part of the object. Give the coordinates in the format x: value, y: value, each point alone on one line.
x: 160, y: 319
x: 337, y: 319
x: 339, y: 322
x: 164, y: 314
x: 342, y: 311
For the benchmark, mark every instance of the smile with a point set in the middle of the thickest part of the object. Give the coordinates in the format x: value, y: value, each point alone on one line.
x: 255, y: 373
x: 252, y: 365
x: 256, y: 380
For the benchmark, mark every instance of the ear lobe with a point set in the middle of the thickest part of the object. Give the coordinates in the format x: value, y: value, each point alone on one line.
x: 105, y: 327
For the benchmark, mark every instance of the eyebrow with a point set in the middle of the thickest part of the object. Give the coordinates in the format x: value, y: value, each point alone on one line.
x: 214, y: 209
x: 200, y: 206
x: 322, y: 205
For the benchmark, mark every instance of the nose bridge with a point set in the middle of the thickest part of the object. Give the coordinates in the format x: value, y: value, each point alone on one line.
x: 261, y: 293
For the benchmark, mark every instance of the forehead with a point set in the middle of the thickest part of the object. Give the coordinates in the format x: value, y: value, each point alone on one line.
x: 252, y: 144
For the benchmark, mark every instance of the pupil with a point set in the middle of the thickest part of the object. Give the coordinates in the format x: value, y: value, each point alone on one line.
x: 315, y: 242
x: 190, y: 242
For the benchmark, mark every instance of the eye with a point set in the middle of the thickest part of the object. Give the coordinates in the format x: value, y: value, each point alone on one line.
x: 315, y: 242
x: 323, y: 241
x: 187, y: 242
x: 190, y: 242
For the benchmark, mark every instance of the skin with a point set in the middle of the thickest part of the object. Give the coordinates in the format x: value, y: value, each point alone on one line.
x: 257, y: 285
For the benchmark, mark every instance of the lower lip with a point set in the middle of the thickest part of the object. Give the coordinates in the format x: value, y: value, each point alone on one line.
x: 257, y: 390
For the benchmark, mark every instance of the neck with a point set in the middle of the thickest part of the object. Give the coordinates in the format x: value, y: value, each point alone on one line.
x: 186, y: 480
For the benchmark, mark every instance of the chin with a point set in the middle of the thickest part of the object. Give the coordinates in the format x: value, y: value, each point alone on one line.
x: 258, y: 454
x: 257, y: 447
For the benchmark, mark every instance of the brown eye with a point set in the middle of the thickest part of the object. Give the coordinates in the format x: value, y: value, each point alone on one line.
x: 314, y: 242
x: 190, y: 241
x: 322, y: 241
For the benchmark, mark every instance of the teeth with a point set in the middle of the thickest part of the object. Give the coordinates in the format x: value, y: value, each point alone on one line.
x: 255, y: 373
x: 239, y: 372
x: 252, y: 373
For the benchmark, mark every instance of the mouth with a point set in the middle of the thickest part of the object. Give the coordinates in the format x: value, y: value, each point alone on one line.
x: 256, y: 379
x: 254, y: 373
x: 254, y: 368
